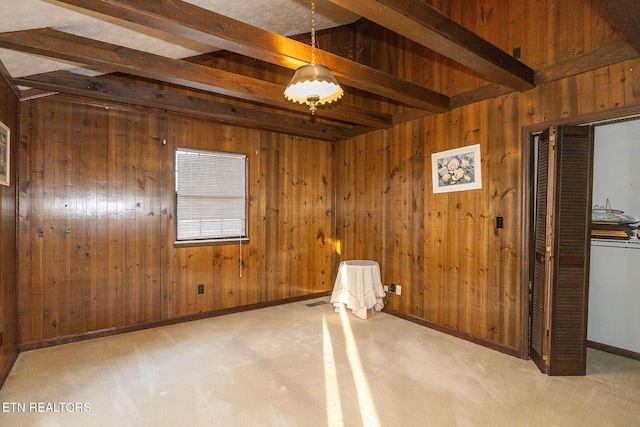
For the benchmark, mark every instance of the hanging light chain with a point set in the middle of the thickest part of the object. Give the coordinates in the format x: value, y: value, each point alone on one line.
x: 313, y: 32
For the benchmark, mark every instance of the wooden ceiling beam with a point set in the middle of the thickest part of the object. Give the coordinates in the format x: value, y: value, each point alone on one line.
x: 34, y: 93
x: 207, y: 27
x: 592, y: 60
x: 422, y: 23
x: 123, y: 92
x: 603, y: 57
x: 105, y: 57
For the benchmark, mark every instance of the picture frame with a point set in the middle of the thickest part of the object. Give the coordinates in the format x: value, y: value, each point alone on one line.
x: 458, y: 169
x: 5, y: 154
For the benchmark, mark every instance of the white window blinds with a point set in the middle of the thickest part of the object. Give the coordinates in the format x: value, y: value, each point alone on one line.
x: 211, y: 195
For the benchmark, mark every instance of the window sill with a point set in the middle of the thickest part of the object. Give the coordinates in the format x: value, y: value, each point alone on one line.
x: 212, y: 242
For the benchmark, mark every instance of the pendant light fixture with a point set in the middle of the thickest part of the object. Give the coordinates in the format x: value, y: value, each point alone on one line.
x: 313, y: 84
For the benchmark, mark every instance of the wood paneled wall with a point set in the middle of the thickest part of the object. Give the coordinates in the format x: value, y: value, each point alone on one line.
x: 96, y: 238
x: 8, y: 232
x: 457, y: 270
x: 545, y: 31
x: 96, y: 196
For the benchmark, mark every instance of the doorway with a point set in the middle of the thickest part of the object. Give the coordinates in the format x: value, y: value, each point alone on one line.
x: 615, y: 248
x: 541, y: 341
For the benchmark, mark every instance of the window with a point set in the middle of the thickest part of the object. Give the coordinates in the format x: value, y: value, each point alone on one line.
x: 211, y: 193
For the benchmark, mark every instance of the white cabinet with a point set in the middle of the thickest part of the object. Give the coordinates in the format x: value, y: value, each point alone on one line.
x: 614, y: 294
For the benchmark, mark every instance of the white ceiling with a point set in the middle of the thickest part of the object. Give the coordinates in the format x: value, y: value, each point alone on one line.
x: 284, y: 17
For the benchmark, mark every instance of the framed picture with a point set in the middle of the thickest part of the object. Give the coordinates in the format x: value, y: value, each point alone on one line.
x: 457, y: 170
x: 5, y: 154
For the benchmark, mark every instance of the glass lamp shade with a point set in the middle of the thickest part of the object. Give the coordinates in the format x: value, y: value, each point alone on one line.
x: 313, y: 84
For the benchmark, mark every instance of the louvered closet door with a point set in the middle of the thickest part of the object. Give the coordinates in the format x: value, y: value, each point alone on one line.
x: 540, y: 318
x: 560, y: 291
x: 572, y: 223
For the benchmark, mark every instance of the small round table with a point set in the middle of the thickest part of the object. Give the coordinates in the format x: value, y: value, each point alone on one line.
x: 359, y: 286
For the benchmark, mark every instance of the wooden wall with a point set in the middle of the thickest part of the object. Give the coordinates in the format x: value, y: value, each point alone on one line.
x: 455, y: 268
x: 546, y: 31
x: 8, y: 232
x: 95, y: 243
x: 458, y: 272
x: 96, y: 225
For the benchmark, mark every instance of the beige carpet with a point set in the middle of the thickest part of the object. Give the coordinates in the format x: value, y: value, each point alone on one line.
x: 296, y: 365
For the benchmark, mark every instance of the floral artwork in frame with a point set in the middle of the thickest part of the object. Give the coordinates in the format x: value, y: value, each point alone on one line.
x: 457, y: 170
x: 5, y: 154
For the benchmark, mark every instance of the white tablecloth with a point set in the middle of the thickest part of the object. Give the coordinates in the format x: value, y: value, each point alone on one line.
x: 359, y: 286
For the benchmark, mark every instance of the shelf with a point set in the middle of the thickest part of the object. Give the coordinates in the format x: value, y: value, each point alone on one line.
x: 608, y: 243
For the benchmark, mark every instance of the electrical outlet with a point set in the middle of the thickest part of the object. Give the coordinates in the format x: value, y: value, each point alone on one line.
x: 386, y: 288
x: 398, y: 290
x: 200, y: 289
x: 392, y: 288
